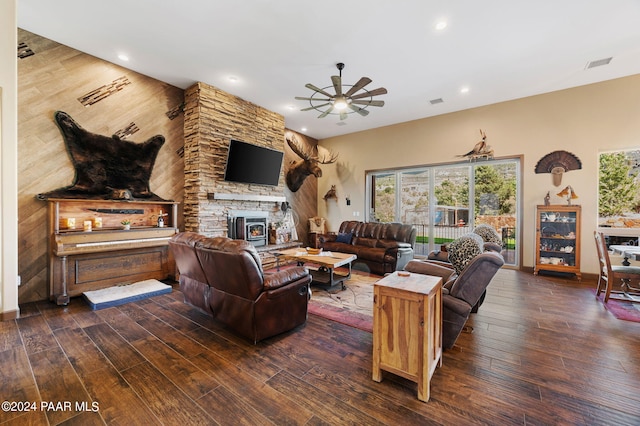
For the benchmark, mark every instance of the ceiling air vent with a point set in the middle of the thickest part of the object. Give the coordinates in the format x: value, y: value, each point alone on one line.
x: 436, y: 101
x: 598, y: 63
x: 341, y: 123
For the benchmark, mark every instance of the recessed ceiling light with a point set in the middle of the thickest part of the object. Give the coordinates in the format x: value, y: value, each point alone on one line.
x: 123, y: 57
x: 304, y: 129
x: 441, y: 25
x: 464, y: 90
x: 291, y: 107
x: 233, y: 78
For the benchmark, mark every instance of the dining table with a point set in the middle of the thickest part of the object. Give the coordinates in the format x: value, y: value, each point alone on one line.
x: 627, y: 252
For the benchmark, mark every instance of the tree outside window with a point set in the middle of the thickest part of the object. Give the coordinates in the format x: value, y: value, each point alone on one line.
x: 619, y: 189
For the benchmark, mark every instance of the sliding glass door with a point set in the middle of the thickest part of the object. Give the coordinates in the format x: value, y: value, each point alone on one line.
x: 437, y: 200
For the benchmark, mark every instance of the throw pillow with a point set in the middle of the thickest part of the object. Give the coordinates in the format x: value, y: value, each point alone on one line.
x: 462, y: 250
x: 488, y: 234
x: 344, y: 238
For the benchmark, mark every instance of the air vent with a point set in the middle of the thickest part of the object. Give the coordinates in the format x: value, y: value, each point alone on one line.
x: 436, y: 101
x: 598, y: 63
x: 341, y: 123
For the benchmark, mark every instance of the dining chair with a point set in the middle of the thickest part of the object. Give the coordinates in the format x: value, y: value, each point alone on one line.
x: 610, y: 275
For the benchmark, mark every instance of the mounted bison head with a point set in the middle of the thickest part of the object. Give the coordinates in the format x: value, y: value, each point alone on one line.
x: 309, y: 165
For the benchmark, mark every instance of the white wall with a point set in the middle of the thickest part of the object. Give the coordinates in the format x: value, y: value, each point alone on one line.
x: 8, y: 160
x: 584, y: 120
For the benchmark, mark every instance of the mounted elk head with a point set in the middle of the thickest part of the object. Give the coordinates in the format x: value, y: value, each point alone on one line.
x: 309, y: 165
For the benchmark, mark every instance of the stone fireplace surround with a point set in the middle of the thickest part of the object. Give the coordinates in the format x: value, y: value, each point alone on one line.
x: 211, y: 119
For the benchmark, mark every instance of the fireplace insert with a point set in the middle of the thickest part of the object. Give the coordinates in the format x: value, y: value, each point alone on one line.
x: 249, y: 228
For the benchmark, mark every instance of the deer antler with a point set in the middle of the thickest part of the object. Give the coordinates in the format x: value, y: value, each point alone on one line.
x: 321, y: 155
x: 299, y: 150
x: 328, y: 156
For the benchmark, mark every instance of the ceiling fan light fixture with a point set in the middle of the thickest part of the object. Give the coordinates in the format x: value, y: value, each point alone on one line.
x: 340, y: 103
x: 354, y: 99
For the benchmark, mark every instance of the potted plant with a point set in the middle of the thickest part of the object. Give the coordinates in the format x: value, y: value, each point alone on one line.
x: 126, y: 224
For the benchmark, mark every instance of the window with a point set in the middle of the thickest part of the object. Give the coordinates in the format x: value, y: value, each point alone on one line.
x: 619, y: 191
x: 436, y: 199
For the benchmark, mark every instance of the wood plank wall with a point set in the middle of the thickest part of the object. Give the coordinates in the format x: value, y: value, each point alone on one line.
x: 305, y: 200
x: 56, y: 77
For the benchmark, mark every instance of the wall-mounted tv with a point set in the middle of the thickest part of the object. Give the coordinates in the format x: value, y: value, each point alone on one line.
x: 248, y: 163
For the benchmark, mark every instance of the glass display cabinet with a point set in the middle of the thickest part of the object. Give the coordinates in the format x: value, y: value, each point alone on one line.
x: 558, y: 239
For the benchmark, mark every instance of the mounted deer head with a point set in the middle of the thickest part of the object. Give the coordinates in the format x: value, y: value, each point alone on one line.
x: 299, y: 171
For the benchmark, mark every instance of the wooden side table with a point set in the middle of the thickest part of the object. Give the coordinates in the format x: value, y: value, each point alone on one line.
x: 407, y: 328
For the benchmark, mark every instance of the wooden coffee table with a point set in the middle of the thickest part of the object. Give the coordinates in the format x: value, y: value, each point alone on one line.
x: 324, y: 275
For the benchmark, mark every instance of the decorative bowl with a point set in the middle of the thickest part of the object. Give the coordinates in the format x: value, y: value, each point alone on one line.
x: 314, y: 251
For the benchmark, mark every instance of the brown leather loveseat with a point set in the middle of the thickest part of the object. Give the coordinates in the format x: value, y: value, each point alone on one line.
x: 224, y: 278
x: 383, y: 247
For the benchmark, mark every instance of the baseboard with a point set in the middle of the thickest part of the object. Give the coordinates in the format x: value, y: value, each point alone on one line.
x: 10, y: 315
x: 585, y: 276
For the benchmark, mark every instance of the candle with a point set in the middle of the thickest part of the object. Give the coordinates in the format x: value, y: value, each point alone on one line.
x: 71, y: 223
x: 87, y: 226
x: 97, y: 222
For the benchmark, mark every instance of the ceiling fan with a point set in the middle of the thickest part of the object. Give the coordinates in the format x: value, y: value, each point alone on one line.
x: 355, y: 99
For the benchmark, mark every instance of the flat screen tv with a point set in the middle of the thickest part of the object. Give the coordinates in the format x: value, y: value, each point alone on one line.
x: 248, y: 163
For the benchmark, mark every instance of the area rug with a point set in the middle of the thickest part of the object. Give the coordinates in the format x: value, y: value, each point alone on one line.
x: 121, y: 294
x: 621, y: 309
x: 352, y: 306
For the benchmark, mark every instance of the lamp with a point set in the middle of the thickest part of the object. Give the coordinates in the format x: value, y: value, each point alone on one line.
x: 569, y: 193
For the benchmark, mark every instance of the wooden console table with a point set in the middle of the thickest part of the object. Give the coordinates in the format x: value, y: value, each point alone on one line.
x: 407, y: 328
x: 90, y: 250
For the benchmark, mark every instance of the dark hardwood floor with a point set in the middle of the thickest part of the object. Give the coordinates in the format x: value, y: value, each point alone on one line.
x: 543, y: 351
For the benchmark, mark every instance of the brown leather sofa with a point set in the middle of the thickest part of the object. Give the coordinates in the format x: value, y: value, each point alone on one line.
x: 224, y: 278
x: 382, y: 247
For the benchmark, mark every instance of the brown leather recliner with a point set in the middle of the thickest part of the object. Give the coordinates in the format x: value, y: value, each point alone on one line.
x: 461, y: 292
x: 193, y: 283
x: 236, y: 290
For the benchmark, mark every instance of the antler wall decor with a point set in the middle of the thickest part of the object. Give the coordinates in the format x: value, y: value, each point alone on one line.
x: 309, y: 165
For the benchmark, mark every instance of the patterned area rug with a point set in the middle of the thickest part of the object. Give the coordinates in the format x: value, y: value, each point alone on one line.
x: 627, y: 311
x: 352, y: 306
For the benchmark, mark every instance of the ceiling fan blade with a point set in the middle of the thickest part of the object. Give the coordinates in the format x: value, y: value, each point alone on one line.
x: 317, y: 89
x: 343, y: 115
x: 374, y: 92
x: 327, y: 112
x: 369, y: 103
x: 315, y: 107
x: 337, y: 84
x: 361, y: 111
x: 359, y: 85
x: 300, y: 98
